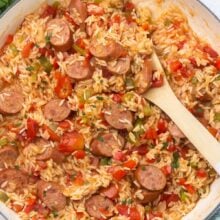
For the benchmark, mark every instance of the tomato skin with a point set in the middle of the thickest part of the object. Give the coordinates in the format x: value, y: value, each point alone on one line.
x: 132, y: 212
x: 217, y: 64
x: 175, y: 65
x: 49, y: 11
x: 212, y: 130
x: 171, y: 148
x: 151, y: 134
x: 64, y: 86
x: 78, y: 180
x: 71, y: 142
x: 167, y: 170
x: 79, y: 154
x: 119, y: 174
x: 156, y: 83
x: 9, y: 39
x: 190, y: 188
x: 64, y: 125
x: 30, y: 205
x: 32, y: 129
x: 94, y: 9
x: 52, y: 135
x: 161, y: 126
x: 201, y: 173
x: 27, y: 49
x: 129, y: 6
x: 110, y: 192
x: 17, y: 207
x: 117, y: 97
x: 141, y: 150
x: 212, y: 53
x: 131, y: 164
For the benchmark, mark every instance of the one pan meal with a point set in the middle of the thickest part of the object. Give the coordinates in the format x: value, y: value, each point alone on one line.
x: 77, y: 138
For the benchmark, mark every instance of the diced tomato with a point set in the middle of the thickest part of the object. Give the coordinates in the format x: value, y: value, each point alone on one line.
x: 94, y: 9
x: 80, y: 42
x: 169, y: 198
x: 151, y: 134
x: 128, y: 6
x: 217, y: 64
x: 193, y: 61
x: 157, y: 82
x: 9, y: 39
x: 117, y: 97
x: 161, y: 126
x: 186, y: 73
x: 64, y: 86
x: 79, y: 215
x: 32, y: 129
x: 42, y: 164
x: 131, y: 212
x: 27, y: 49
x: 110, y: 192
x: 116, y: 19
x: 154, y: 215
x: 190, y: 188
x: 182, y: 181
x: 69, y: 18
x: 171, y: 148
x: 17, y: 207
x: 79, y: 154
x: 81, y: 105
x: 119, y: 155
x: 134, y: 214
x: 64, y: 125
x: 55, y: 64
x: 49, y: 11
x: 181, y: 44
x: 129, y: 19
x: 78, y: 180
x: 184, y: 151
x: 201, y: 173
x: 212, y: 130
x: 71, y: 141
x: 31, y: 202
x: 44, y: 51
x: 122, y: 209
x: 131, y: 164
x: 175, y: 66
x: 150, y: 160
x: 167, y: 170
x: 145, y: 26
x: 52, y: 135
x: 119, y: 174
x: 141, y: 150
x: 212, y: 53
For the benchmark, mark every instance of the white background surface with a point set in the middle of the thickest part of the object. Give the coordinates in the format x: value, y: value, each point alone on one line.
x: 213, y: 5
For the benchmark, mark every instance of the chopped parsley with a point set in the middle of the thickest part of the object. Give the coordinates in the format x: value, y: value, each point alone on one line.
x: 47, y: 38
x: 105, y: 161
x: 55, y: 213
x: 100, y: 139
x: 3, y: 142
x: 217, y: 117
x: 30, y: 68
x: 99, y: 97
x: 167, y: 23
x: 126, y: 201
x: 175, y: 161
x: 165, y: 145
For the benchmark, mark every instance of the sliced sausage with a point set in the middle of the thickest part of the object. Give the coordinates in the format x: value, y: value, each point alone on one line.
x: 61, y: 36
x: 117, y: 117
x: 8, y: 156
x: 109, y: 50
x: 144, y: 78
x: 56, y: 110
x: 110, y: 192
x: 80, y: 7
x: 150, y: 177
x: 120, y: 66
x: 78, y: 69
x: 105, y: 143
x: 51, y: 153
x: 11, y: 99
x: 145, y: 196
x: 98, y: 206
x: 175, y: 131
x: 13, y: 180
x: 50, y: 193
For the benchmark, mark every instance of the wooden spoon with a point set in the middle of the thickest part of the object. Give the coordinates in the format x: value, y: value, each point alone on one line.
x: 197, y: 134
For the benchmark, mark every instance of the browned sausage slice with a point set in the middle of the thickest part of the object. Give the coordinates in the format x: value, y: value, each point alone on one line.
x: 60, y: 34
x: 104, y: 144
x: 13, y: 180
x: 78, y: 69
x: 175, y: 131
x: 120, y: 66
x: 150, y: 177
x: 51, y: 153
x: 117, y: 117
x: 56, y: 110
x: 11, y: 99
x: 50, y: 193
x: 109, y: 50
x: 147, y: 196
x: 98, y: 206
x: 144, y: 78
x: 8, y: 156
x: 80, y: 7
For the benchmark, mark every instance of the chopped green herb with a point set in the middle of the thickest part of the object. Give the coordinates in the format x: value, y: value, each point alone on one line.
x: 17, y: 167
x: 218, y: 77
x: 138, y: 127
x: 13, y: 49
x: 30, y: 68
x: 99, y: 97
x: 105, y: 161
x: 3, y: 197
x: 175, y: 161
x: 18, y: 124
x: 44, y: 193
x: 165, y: 145
x: 183, y: 195
x: 194, y: 80
x: 217, y: 117
x: 100, y: 138
x: 126, y: 201
x: 33, y: 77
x: 56, y: 4
x: 55, y: 213
x: 47, y: 66
x: 47, y: 39
x: 129, y: 201
x: 129, y: 83
x: 167, y: 22
x: 143, y: 168
x: 3, y: 142
x: 79, y: 50
x: 147, y: 111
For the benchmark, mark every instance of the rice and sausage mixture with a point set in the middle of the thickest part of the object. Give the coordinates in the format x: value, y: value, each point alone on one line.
x: 78, y: 140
